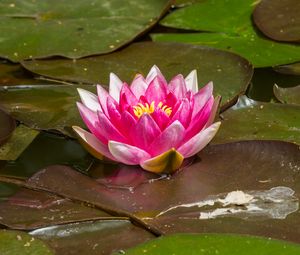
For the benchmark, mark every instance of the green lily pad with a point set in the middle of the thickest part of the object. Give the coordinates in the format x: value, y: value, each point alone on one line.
x: 293, y: 69
x: 279, y: 20
x: 230, y: 73
x: 262, y: 170
x: 230, y: 28
x: 18, y: 142
x: 16, y: 242
x: 288, y: 95
x: 7, y: 126
x: 252, y: 120
x: 43, y: 151
x: 214, y: 244
x: 93, y: 238
x: 51, y: 107
x: 73, y: 28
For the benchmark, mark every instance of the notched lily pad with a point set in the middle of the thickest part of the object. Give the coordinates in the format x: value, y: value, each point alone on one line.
x: 278, y: 19
x: 7, y: 126
x: 287, y: 95
x: 227, y: 25
x: 16, y: 242
x: 18, y: 142
x: 253, y: 120
x: 73, y: 28
x: 214, y: 244
x: 230, y: 73
x: 98, y: 237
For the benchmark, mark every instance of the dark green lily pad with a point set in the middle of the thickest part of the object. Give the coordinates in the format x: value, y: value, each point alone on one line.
x: 16, y: 242
x: 73, y: 28
x: 287, y: 95
x: 18, y: 142
x: 230, y: 28
x: 93, y: 238
x: 279, y: 20
x: 173, y: 204
x: 51, y: 107
x: 263, y: 80
x: 28, y: 209
x: 230, y: 73
x: 214, y: 244
x: 252, y: 120
x: 293, y: 69
x: 7, y: 126
x: 43, y: 151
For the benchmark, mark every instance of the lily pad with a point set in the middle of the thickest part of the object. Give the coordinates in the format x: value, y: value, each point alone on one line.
x: 293, y: 69
x: 51, y: 107
x: 253, y: 120
x: 214, y: 244
x: 16, y: 242
x: 288, y: 95
x: 230, y: 73
x: 18, y: 142
x: 28, y: 209
x: 263, y: 170
x: 7, y: 126
x: 278, y: 19
x: 99, y: 237
x: 73, y: 28
x: 43, y: 151
x: 227, y: 25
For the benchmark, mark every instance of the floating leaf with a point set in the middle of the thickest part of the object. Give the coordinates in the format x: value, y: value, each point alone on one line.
x: 287, y: 95
x: 293, y: 69
x: 261, y: 169
x: 7, y: 126
x: 230, y: 73
x: 28, y: 209
x: 230, y: 28
x: 16, y: 242
x: 252, y: 120
x: 278, y: 19
x: 51, y: 107
x: 214, y: 244
x: 73, y: 28
x: 93, y: 238
x: 43, y: 151
x: 19, y: 141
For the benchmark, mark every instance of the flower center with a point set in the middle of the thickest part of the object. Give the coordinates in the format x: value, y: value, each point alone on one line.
x: 140, y: 108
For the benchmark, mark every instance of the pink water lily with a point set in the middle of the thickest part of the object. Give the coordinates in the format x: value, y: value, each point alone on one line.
x: 150, y: 123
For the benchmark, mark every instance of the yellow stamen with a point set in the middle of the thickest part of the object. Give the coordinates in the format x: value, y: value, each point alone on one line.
x: 140, y: 108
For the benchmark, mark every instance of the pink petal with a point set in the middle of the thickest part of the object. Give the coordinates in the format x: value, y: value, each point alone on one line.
x: 115, y: 85
x: 191, y: 81
x: 126, y: 153
x: 127, y: 97
x: 157, y: 91
x: 199, y: 141
x: 168, y: 139
x: 95, y: 146
x: 139, y: 86
x: 200, y: 120
x: 108, y: 130
x: 170, y: 100
x: 102, y: 98
x: 161, y: 118
x: 90, y: 119
x: 183, y: 114
x: 145, y: 131
x: 202, y: 97
x: 177, y: 86
x: 89, y: 99
x: 128, y: 123
x: 155, y: 72
x: 113, y: 112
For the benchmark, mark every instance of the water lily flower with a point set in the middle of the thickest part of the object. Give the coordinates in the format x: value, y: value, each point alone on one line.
x: 150, y: 123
